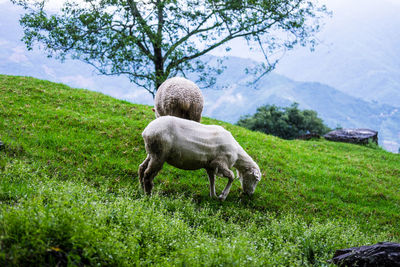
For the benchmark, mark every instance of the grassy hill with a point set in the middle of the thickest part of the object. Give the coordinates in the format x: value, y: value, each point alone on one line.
x: 69, y: 192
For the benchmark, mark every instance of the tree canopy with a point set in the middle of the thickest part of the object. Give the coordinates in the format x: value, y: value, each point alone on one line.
x: 152, y: 40
x: 288, y: 122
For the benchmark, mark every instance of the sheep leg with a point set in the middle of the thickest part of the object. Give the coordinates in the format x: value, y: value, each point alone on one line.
x: 227, y: 188
x: 142, y: 168
x: 223, y: 170
x: 211, y: 179
x: 154, y: 166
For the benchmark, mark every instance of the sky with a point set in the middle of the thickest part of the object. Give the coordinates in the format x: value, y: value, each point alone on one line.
x: 240, y: 48
x: 339, y: 9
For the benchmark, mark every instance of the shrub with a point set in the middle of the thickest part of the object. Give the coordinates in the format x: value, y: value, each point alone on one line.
x: 284, y: 122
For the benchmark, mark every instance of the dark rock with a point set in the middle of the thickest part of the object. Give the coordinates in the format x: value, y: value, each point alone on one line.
x: 309, y: 136
x: 355, y: 136
x: 381, y: 254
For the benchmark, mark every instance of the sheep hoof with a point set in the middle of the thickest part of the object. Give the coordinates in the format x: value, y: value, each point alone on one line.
x: 221, y: 198
x: 213, y: 196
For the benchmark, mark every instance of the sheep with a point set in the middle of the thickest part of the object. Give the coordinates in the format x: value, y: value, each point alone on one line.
x: 189, y: 145
x: 179, y: 97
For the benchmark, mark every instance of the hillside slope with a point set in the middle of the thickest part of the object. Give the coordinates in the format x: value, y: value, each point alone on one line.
x: 69, y: 192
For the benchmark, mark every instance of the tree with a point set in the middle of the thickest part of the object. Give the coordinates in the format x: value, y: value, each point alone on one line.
x: 152, y: 40
x: 287, y: 123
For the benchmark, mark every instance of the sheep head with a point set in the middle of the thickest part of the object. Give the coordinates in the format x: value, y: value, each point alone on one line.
x: 249, y: 179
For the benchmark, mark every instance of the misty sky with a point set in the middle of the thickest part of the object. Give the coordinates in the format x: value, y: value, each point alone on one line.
x: 340, y: 8
x: 342, y: 11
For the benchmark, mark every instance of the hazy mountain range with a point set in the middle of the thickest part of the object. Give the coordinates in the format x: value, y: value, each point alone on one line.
x: 359, y: 52
x: 235, y: 97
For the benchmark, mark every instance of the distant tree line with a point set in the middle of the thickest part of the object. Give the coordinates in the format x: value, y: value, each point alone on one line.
x: 285, y: 122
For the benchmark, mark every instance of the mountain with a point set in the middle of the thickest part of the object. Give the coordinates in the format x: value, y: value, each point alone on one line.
x: 358, y: 54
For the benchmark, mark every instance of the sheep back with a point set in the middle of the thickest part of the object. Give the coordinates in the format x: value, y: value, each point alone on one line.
x: 189, y: 145
x: 179, y: 97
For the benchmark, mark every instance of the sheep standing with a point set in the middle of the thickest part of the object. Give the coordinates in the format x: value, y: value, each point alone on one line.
x: 189, y: 145
x: 179, y: 97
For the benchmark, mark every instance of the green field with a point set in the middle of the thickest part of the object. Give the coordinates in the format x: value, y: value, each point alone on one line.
x: 69, y: 191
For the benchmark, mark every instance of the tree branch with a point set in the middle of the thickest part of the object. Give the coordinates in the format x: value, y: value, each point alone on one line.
x: 237, y: 34
x: 141, y: 46
x: 190, y: 34
x: 135, y: 13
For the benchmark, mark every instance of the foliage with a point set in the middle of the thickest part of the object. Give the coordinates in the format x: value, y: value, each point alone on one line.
x: 287, y: 122
x: 69, y: 191
x: 150, y: 41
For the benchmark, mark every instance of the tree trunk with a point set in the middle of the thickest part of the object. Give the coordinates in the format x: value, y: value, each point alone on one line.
x: 158, y: 57
x: 159, y: 69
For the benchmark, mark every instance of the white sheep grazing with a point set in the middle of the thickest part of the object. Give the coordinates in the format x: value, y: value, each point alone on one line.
x: 190, y: 145
x: 179, y: 97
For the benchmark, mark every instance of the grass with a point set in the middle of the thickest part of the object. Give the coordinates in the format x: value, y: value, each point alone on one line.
x: 69, y: 192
